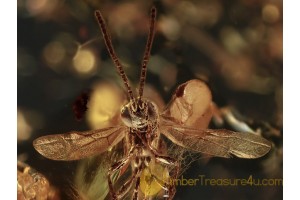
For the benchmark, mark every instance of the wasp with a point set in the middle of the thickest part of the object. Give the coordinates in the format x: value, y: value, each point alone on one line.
x: 141, y: 129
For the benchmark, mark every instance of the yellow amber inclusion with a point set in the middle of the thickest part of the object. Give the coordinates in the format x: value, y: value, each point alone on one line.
x: 152, y: 178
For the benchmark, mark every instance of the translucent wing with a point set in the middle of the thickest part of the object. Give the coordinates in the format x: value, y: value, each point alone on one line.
x: 76, y: 145
x: 191, y: 105
x: 219, y: 142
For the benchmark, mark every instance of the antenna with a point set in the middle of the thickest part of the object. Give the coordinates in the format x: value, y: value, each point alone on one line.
x: 147, y: 52
x: 112, y: 53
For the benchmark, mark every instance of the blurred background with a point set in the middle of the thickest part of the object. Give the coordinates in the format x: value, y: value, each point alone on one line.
x: 234, y: 46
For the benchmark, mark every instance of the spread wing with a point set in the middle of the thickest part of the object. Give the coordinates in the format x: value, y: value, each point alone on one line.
x: 76, y: 145
x: 219, y: 142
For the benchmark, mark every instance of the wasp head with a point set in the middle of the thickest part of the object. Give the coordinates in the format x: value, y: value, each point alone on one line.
x: 139, y: 113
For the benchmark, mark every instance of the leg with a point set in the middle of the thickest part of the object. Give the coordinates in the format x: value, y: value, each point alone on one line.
x: 168, y: 161
x: 136, y: 189
x: 167, y: 191
x: 128, y: 184
x: 172, y: 191
x: 164, y: 159
x: 115, y: 167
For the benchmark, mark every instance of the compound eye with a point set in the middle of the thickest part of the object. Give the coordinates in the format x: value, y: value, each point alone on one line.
x: 125, y: 116
x: 152, y: 111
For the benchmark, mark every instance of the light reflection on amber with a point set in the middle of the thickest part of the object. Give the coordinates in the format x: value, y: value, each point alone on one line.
x: 54, y: 53
x: 233, y: 40
x: 84, y: 62
x: 23, y: 127
x: 28, y: 120
x: 199, y: 13
x: 170, y: 27
x: 43, y: 7
x: 127, y: 19
x: 104, y: 106
x: 270, y: 13
x: 165, y: 70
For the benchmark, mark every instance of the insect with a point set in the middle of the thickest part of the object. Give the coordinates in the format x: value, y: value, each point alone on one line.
x: 141, y: 132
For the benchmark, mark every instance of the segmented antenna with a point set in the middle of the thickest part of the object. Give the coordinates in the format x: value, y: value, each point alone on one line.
x: 112, y: 53
x: 147, y: 52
